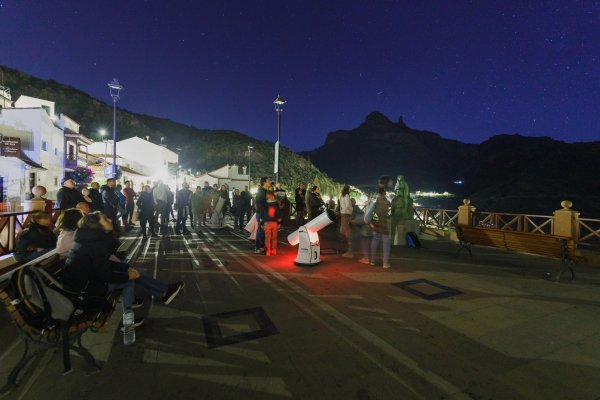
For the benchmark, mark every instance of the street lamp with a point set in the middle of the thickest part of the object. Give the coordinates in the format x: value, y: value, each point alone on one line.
x: 279, y: 102
x: 250, y: 148
x: 102, y: 134
x: 115, y: 88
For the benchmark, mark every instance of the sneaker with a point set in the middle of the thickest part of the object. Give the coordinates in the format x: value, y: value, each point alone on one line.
x: 186, y: 232
x: 372, y: 263
x: 137, y: 303
x: 137, y: 322
x: 172, y: 292
x: 268, y: 254
x: 348, y: 254
x: 386, y: 265
x: 364, y: 260
x: 273, y: 252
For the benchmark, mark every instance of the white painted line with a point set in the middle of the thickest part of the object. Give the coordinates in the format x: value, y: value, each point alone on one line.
x: 216, y: 260
x: 370, y: 309
x: 429, y: 376
x: 339, y: 296
x: 187, y: 246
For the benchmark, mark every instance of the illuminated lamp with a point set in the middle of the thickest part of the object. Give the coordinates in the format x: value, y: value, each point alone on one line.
x: 307, y: 239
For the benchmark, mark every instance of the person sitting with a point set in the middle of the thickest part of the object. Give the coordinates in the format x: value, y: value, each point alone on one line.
x: 67, y: 225
x: 36, y: 239
x: 92, y: 267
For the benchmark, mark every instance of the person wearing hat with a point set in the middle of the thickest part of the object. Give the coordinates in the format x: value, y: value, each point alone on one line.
x: 68, y: 196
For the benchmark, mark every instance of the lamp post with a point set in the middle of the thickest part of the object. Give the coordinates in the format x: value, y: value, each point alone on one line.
x: 250, y: 148
x: 102, y: 134
x: 279, y: 102
x: 115, y: 88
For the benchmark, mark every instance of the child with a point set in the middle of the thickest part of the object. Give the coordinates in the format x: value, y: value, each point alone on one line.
x: 272, y: 221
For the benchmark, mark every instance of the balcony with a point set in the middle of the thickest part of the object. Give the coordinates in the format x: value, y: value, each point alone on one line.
x: 74, y: 160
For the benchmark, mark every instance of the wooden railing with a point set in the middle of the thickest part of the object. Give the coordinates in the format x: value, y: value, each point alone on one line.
x: 12, y: 224
x: 588, y: 230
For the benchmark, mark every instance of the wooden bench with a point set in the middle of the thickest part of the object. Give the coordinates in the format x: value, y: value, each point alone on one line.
x: 552, y: 246
x: 68, y: 335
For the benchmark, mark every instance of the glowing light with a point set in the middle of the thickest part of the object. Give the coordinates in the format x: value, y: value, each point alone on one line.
x: 326, y: 198
x: 253, y: 190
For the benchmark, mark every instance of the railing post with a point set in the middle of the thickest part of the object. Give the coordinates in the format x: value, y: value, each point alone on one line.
x: 465, y: 213
x: 566, y: 221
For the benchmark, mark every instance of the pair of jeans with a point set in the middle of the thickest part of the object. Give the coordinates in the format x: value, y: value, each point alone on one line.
x: 271, y: 229
x: 152, y: 286
x: 130, y: 207
x: 385, y: 240
x: 181, y: 218
x: 259, y: 242
x: 127, y: 293
x: 147, y: 218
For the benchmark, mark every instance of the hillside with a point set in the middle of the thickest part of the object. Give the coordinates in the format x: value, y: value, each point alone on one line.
x: 201, y: 149
x: 509, y: 173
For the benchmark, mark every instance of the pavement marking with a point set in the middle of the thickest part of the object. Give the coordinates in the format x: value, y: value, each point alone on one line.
x: 431, y: 377
x: 339, y: 296
x: 265, y: 384
x: 216, y: 259
x: 44, y: 361
x: 187, y: 246
x: 164, y: 357
x: 10, y: 349
x: 370, y: 309
x: 291, y: 298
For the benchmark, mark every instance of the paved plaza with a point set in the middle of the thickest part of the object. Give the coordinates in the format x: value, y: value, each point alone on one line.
x: 436, y: 325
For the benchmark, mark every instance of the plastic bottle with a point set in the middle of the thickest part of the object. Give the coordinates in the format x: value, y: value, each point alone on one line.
x: 128, y: 328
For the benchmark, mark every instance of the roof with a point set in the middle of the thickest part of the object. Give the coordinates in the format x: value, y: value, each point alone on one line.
x: 23, y: 157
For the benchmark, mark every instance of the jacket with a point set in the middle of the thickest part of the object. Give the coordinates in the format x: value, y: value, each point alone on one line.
x: 97, y: 204
x: 381, y: 215
x: 345, y: 205
x: 68, y: 198
x: 110, y: 199
x: 145, y: 204
x: 300, y: 197
x: 32, y: 237
x: 88, y: 267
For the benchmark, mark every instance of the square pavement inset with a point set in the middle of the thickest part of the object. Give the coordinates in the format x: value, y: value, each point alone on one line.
x: 214, y: 335
x: 428, y: 290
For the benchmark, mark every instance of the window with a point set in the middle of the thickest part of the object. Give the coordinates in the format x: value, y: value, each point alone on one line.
x: 55, y: 151
x: 56, y: 181
x: 44, y: 145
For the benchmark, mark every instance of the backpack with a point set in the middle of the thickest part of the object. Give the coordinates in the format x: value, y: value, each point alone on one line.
x: 412, y: 240
x: 37, y: 297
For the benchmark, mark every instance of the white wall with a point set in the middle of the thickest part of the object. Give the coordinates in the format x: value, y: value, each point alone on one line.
x: 41, y: 140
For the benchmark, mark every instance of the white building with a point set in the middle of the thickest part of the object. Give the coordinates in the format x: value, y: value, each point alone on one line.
x: 42, y: 143
x: 234, y: 176
x: 142, y: 161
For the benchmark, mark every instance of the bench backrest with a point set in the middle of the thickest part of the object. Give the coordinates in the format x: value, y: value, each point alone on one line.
x: 526, y: 242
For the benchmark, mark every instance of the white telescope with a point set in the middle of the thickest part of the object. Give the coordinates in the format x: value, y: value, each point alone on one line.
x: 309, y: 249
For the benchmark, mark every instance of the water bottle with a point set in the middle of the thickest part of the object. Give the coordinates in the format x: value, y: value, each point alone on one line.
x: 128, y: 328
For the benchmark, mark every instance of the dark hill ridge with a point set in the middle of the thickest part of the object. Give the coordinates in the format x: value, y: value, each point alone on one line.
x: 201, y: 149
x: 508, y: 172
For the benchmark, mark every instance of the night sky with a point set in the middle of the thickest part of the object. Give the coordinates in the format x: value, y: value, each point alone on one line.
x: 465, y: 69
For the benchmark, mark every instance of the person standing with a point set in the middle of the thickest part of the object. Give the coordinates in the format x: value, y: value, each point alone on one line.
x: 272, y: 219
x: 380, y: 226
x: 207, y: 193
x: 316, y: 203
x: 160, y: 196
x: 145, y: 206
x: 300, y: 198
x: 111, y: 201
x: 129, y: 194
x: 261, y: 211
x: 237, y: 210
x: 246, y: 205
x: 170, y: 201
x: 97, y: 204
x: 122, y: 205
x: 182, y: 203
x: 346, y: 216
x: 67, y: 196
x: 197, y: 208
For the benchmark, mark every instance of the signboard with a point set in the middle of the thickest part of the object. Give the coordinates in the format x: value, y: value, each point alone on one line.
x: 10, y: 146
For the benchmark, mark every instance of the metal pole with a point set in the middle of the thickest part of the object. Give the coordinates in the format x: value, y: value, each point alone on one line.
x: 278, y: 144
x: 249, y: 151
x: 114, y: 168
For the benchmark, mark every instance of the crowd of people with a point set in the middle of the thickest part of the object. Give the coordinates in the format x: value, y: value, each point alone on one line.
x: 155, y: 207
x: 86, y: 231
